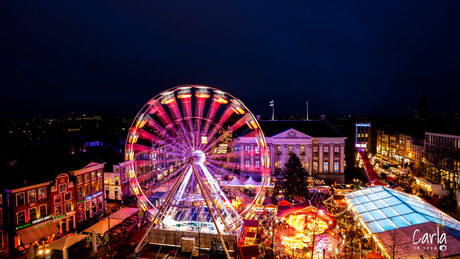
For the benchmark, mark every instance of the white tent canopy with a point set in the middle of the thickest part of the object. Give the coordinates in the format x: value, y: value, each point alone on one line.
x: 67, y: 241
x: 251, y: 181
x: 116, y: 218
x: 234, y: 182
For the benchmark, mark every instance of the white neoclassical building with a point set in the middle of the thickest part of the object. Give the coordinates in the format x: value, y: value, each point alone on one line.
x: 320, y: 147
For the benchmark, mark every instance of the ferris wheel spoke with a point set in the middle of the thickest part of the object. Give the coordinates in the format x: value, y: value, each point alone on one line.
x: 161, y: 131
x: 223, y: 155
x: 210, y: 116
x: 224, y: 164
x: 178, y: 120
x: 187, y: 108
x: 164, y: 118
x: 228, y: 112
x: 199, y: 108
x: 221, y: 170
x: 226, y: 204
x: 234, y: 127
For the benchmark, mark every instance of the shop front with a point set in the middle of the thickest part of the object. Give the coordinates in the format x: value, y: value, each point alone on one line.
x: 66, y: 223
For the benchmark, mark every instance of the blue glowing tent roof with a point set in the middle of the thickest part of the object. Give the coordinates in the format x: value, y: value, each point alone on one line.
x: 384, y: 209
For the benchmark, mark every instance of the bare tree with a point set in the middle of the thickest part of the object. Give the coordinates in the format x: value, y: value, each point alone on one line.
x: 393, y: 242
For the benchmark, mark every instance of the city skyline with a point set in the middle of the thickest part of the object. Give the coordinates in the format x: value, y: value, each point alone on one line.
x: 115, y: 57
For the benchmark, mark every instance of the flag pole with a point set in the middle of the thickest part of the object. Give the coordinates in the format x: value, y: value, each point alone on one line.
x: 272, y: 104
x: 307, y: 109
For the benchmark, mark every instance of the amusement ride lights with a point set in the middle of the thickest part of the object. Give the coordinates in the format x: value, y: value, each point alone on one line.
x: 179, y: 132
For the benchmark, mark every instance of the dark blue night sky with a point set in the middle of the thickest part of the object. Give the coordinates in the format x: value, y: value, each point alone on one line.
x: 346, y: 57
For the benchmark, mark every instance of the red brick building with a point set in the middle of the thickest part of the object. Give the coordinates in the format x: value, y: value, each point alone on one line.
x: 88, y: 190
x: 25, y: 209
x: 63, y: 203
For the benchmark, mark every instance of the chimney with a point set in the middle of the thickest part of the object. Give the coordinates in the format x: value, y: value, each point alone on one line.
x: 323, y: 117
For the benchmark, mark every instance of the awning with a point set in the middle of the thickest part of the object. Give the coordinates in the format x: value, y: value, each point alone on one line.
x: 124, y: 213
x: 116, y: 218
x: 37, y: 232
x: 102, y: 226
x: 67, y: 241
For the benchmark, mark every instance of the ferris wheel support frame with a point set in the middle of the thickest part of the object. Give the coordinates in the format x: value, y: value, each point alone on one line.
x: 160, y: 212
x: 206, y: 196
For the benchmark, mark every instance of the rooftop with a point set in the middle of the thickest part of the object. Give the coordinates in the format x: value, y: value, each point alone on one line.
x: 313, y: 128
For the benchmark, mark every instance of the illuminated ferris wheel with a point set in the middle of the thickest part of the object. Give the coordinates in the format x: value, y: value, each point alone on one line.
x: 186, y: 135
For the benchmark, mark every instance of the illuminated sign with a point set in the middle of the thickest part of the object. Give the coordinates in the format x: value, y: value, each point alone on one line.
x: 363, y: 124
x: 92, y: 196
x: 96, y: 194
x: 360, y: 145
x: 41, y: 219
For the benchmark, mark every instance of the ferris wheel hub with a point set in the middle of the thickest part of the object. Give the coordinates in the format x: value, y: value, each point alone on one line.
x: 198, y: 157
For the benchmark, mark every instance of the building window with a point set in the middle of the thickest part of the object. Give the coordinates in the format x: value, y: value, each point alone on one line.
x: 57, y: 198
x: 79, y: 180
x: 58, y: 210
x: 21, y: 218
x: 68, y: 196
x: 99, y: 184
x: 107, y: 191
x: 326, y: 167
x: 116, y: 192
x: 247, y: 148
x: 290, y: 148
x: 117, y: 179
x: 278, y: 150
x: 93, y: 174
x: 1, y: 199
x: 315, y: 166
x: 302, y: 150
x: 20, y: 199
x: 326, y: 149
x: 315, y: 150
x: 32, y: 196
x: 336, y: 167
x: 100, y: 203
x: 43, y: 211
x: 257, y: 164
x: 246, y: 163
x: 87, y: 192
x: 42, y: 194
x: 62, y: 187
x: 68, y: 207
x: 79, y: 191
x: 86, y: 177
x: 256, y: 149
x: 33, y: 214
x: 99, y: 174
x: 336, y: 150
x: 93, y: 186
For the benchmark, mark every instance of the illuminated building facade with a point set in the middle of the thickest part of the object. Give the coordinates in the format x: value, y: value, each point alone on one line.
x: 63, y: 203
x: 320, y: 147
x: 116, y: 183
x: 24, y: 209
x: 89, y: 194
x: 363, y: 136
x: 395, y: 147
x: 442, y: 154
